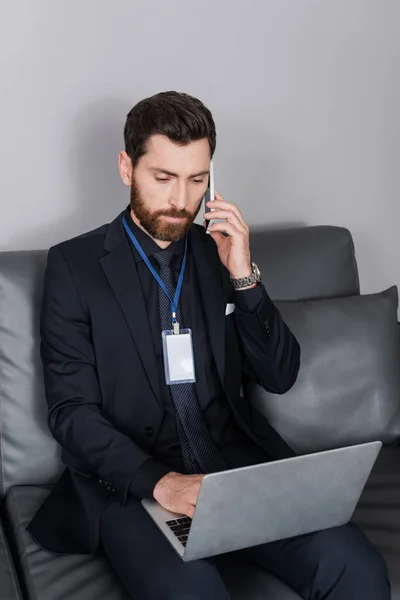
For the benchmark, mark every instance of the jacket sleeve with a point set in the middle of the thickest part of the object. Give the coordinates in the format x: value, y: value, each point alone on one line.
x: 73, y: 392
x: 271, y: 351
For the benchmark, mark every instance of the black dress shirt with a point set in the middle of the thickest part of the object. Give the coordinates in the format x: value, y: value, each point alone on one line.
x: 227, y: 435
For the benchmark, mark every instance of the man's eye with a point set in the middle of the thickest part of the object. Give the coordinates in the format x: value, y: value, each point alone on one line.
x: 198, y: 180
x: 161, y: 179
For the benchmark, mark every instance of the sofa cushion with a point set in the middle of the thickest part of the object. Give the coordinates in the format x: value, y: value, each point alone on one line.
x: 29, y: 454
x: 9, y: 587
x: 348, y: 387
x: 49, y: 576
x: 89, y: 577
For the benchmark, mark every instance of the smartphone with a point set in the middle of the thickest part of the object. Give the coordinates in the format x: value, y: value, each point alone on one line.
x: 209, y: 195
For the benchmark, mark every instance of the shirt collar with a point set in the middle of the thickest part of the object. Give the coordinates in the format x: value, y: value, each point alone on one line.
x: 148, y: 245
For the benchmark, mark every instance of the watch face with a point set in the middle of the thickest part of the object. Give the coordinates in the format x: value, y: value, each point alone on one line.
x: 255, y: 269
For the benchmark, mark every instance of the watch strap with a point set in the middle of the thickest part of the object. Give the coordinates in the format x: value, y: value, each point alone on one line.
x: 242, y: 282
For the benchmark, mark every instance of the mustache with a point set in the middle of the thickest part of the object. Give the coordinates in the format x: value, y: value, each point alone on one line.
x: 179, y: 214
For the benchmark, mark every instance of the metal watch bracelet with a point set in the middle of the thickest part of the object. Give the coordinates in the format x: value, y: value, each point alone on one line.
x: 254, y: 277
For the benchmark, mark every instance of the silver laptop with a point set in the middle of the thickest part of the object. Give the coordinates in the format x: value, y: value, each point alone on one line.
x: 270, y: 501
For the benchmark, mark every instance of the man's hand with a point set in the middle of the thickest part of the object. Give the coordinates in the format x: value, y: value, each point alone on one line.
x: 178, y: 493
x: 233, y: 249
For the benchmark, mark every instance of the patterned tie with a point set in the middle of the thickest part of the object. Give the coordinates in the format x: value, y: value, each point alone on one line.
x: 200, y: 455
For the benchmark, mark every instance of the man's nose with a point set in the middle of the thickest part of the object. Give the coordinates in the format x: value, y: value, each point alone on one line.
x: 179, y: 199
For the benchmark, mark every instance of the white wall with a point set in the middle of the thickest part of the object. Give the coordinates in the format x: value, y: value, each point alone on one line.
x: 305, y: 94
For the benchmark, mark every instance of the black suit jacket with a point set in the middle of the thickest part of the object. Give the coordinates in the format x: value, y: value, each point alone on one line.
x: 100, y: 374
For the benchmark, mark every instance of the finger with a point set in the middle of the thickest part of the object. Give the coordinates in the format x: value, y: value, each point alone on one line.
x: 232, y: 211
x: 219, y: 196
x: 230, y: 216
x: 217, y: 236
x: 189, y: 510
x: 225, y: 227
x: 224, y: 205
x: 220, y: 201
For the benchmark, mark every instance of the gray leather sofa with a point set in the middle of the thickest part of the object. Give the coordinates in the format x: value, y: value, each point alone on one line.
x: 348, y: 391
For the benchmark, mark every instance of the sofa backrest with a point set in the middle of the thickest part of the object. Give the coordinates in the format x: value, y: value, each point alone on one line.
x: 307, y: 262
x: 298, y: 263
x: 28, y: 453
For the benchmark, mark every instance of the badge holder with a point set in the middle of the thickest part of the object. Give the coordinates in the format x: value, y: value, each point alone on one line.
x: 178, y: 356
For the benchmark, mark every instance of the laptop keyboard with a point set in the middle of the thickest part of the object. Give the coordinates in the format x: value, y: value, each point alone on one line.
x: 181, y: 528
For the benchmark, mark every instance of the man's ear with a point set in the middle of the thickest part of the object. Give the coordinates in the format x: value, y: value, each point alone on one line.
x: 125, y: 168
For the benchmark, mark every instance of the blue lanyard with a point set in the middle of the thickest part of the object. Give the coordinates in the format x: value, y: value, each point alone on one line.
x: 174, y: 301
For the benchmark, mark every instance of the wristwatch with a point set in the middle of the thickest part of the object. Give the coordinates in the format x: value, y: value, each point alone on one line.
x: 254, y: 277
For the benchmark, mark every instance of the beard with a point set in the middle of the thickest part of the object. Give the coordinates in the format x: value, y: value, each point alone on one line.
x: 153, y: 222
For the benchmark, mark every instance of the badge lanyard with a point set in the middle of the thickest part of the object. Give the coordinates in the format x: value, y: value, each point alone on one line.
x: 174, y: 301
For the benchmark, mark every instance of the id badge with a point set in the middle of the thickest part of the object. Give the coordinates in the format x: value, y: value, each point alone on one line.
x: 178, y: 357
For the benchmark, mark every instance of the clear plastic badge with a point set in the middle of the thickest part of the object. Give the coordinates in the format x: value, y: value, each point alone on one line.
x: 178, y: 356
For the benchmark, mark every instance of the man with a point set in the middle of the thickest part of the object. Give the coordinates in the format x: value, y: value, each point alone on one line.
x: 128, y: 433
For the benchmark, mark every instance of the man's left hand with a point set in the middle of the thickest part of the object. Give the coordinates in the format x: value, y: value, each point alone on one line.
x: 233, y: 249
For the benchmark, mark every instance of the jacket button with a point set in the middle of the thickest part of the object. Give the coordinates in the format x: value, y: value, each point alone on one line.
x: 148, y: 431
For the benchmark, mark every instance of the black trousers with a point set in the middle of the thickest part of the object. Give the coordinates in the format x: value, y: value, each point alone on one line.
x: 335, y: 564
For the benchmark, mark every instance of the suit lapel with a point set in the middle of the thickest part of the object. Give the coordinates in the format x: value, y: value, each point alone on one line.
x: 122, y: 275
x: 206, y: 262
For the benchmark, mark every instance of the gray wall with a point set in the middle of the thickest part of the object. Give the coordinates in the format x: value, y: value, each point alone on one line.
x: 305, y: 93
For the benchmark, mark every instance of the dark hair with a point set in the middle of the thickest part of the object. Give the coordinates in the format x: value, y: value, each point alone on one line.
x: 182, y: 118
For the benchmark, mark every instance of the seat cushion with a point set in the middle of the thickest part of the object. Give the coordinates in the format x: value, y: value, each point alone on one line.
x: 348, y: 387
x: 378, y: 511
x: 9, y: 587
x: 49, y: 576
x: 89, y: 577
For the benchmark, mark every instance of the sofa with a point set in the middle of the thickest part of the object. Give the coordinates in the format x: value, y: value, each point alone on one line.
x: 348, y: 391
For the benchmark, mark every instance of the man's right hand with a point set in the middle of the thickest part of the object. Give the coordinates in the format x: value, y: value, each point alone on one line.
x: 178, y: 493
